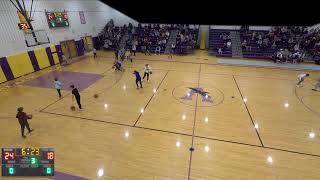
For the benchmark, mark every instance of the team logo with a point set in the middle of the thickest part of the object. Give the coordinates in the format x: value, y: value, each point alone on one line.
x: 205, y: 95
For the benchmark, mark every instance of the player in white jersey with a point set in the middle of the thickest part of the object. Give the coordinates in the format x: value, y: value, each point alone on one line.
x: 301, y: 78
x: 147, y: 71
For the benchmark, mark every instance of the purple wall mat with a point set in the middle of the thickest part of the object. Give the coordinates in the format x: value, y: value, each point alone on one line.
x: 34, y: 61
x: 50, y: 57
x: 6, y: 68
x: 59, y: 52
x: 80, y: 80
x: 64, y: 176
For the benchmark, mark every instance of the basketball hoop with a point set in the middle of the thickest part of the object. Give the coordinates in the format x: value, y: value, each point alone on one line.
x: 36, y: 37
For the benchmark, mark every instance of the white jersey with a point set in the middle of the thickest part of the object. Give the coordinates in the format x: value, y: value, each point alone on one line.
x: 302, y: 76
x: 147, y: 69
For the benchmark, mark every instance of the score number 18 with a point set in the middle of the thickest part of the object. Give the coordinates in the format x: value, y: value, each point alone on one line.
x: 50, y: 155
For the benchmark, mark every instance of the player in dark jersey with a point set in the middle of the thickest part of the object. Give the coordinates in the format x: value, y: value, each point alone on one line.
x: 138, y: 78
x: 76, y: 95
x: 23, y: 121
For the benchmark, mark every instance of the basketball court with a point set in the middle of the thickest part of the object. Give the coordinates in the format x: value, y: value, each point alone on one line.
x: 254, y: 122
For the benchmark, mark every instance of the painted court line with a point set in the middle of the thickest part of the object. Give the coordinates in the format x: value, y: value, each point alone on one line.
x: 171, y: 132
x: 306, y: 106
x: 83, y: 118
x: 150, y: 98
x: 112, y: 85
x: 248, y: 111
x: 194, y: 127
x: 217, y: 64
x: 41, y: 110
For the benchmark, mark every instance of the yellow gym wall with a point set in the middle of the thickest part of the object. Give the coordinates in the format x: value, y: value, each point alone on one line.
x: 42, y: 58
x: 20, y: 64
x: 55, y: 55
x: 2, y: 76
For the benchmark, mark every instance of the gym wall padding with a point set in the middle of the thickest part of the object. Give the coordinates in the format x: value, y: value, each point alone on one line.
x: 2, y: 76
x: 50, y: 57
x: 16, y: 65
x: 42, y: 58
x: 59, y: 52
x: 54, y: 54
x: 4, y: 66
x: 34, y: 61
x: 20, y: 64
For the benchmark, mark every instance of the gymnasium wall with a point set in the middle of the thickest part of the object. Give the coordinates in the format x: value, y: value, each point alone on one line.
x: 97, y: 14
x: 22, y: 63
x: 16, y: 59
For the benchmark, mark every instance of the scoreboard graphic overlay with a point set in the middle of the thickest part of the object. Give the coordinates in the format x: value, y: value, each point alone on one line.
x: 27, y: 161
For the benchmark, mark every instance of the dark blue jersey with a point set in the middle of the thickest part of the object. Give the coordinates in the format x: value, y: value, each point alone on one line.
x: 136, y: 73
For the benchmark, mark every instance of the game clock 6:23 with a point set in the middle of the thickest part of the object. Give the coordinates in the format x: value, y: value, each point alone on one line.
x: 30, y: 151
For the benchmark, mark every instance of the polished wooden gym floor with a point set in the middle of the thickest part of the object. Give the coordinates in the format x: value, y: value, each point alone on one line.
x: 260, y: 126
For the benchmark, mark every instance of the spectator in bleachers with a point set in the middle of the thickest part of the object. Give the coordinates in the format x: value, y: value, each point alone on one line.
x: 167, y: 33
x: 296, y: 57
x: 273, y: 46
x: 259, y: 42
x: 164, y: 41
x: 172, y: 50
x: 296, y: 47
x: 229, y: 44
x: 279, y: 57
x: 158, y: 50
x: 134, y: 47
x: 148, y: 46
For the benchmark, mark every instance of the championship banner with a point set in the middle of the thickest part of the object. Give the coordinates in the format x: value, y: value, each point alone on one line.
x: 82, y: 17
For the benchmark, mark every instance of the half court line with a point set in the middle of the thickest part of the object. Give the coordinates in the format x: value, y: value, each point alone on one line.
x: 194, y: 127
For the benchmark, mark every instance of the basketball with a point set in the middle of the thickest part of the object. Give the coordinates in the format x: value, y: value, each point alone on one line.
x: 30, y: 116
x: 72, y: 108
x: 96, y: 96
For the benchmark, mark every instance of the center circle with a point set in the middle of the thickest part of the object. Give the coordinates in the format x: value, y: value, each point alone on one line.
x: 207, y: 95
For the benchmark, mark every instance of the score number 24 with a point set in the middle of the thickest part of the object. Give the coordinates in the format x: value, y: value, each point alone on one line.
x: 9, y: 155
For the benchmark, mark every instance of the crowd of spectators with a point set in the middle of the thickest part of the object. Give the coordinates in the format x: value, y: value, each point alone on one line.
x: 311, y: 43
x: 282, y: 41
x: 149, y: 38
x: 226, y: 42
x: 186, y: 39
x: 111, y: 35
